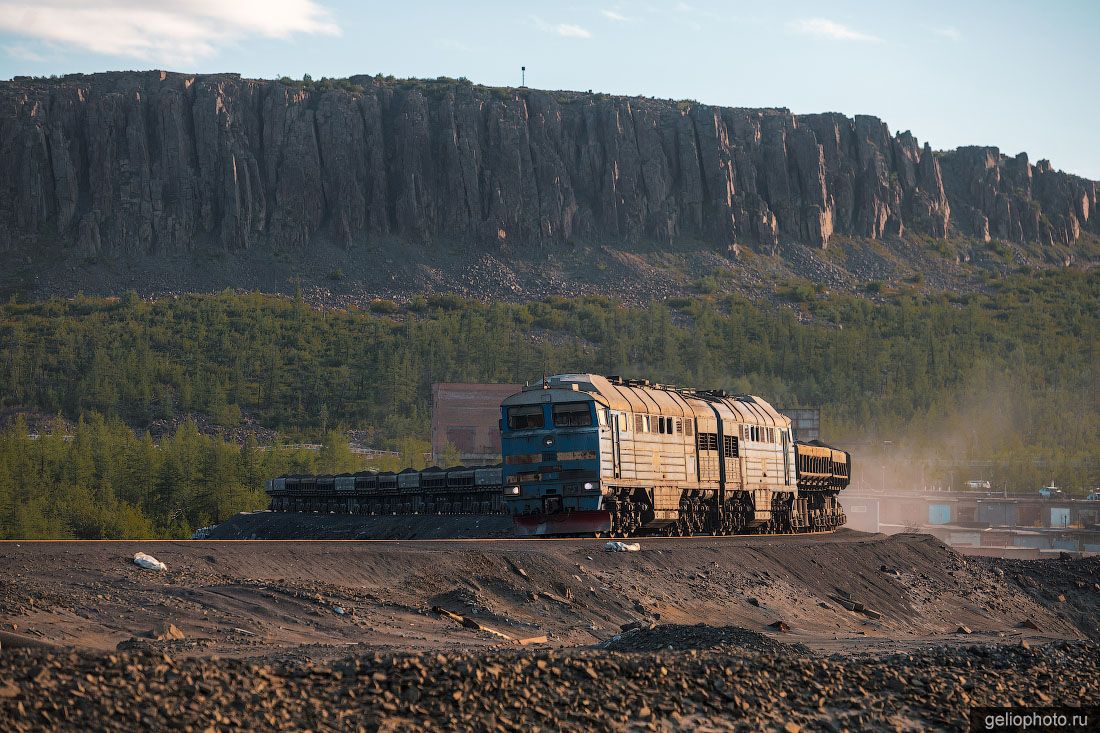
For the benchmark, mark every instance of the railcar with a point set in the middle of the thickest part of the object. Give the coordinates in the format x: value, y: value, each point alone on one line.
x: 344, y: 499
x: 366, y: 493
x: 490, y: 500
x: 460, y: 490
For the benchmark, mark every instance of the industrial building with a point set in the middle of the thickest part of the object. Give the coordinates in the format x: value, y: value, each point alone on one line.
x: 982, y: 522
x: 467, y: 417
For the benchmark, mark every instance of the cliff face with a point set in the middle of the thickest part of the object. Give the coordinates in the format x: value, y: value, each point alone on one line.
x: 151, y: 162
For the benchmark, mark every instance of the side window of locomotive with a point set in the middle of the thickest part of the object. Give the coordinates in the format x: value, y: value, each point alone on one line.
x: 624, y: 422
x: 729, y: 446
x: 601, y: 415
x: 572, y: 415
x: 525, y: 417
x: 708, y: 441
x: 688, y: 427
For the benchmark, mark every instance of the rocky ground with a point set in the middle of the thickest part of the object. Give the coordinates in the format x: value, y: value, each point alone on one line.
x: 337, y: 277
x: 845, y: 631
x: 1072, y: 586
x: 928, y: 689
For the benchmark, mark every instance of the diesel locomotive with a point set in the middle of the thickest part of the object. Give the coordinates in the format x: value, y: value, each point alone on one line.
x: 585, y: 454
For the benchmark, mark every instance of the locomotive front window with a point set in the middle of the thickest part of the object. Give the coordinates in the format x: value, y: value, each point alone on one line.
x: 572, y: 415
x: 525, y: 417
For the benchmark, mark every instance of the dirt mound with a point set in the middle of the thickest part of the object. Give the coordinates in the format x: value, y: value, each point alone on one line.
x: 266, y: 525
x: 315, y: 599
x: 547, y: 689
x: 678, y: 637
x: 1070, y: 585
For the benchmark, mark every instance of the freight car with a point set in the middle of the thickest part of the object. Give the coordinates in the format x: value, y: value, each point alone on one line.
x: 457, y: 490
x: 586, y: 454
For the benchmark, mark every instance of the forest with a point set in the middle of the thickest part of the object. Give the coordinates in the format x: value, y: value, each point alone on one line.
x: 1008, y: 376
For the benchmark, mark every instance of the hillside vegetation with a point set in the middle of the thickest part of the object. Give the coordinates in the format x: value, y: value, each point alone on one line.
x: 1009, y: 376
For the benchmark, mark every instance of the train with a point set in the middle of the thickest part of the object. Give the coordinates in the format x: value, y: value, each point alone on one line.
x: 589, y: 455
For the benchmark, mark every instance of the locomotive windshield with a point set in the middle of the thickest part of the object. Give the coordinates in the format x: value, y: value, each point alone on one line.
x: 525, y: 417
x: 573, y: 415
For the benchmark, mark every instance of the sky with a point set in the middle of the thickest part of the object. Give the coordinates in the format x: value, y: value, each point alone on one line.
x: 1022, y: 76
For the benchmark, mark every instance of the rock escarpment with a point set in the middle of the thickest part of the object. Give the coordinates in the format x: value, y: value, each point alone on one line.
x: 162, y: 162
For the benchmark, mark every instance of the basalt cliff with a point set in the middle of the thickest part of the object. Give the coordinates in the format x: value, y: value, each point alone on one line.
x: 156, y: 162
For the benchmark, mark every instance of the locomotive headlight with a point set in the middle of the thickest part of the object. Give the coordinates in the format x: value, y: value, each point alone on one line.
x: 549, y: 440
x: 588, y: 486
x: 514, y: 490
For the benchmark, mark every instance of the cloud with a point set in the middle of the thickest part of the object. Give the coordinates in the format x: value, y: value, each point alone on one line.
x: 829, y: 29
x: 161, y: 30
x: 614, y: 15
x: 23, y: 51
x: 950, y: 33
x: 567, y: 30
x: 572, y: 31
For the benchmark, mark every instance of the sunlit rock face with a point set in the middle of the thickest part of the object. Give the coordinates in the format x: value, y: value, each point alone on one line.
x: 162, y: 162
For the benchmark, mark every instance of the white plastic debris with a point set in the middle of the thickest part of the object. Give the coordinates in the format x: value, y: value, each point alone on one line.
x: 339, y: 610
x: 148, y: 562
x: 615, y: 546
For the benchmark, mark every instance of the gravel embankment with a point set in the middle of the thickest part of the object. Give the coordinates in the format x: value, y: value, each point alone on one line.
x: 929, y: 689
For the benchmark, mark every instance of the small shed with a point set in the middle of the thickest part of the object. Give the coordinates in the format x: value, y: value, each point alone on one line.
x: 939, y: 513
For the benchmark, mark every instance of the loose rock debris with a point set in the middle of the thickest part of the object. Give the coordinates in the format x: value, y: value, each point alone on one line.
x: 725, y: 688
x: 470, y: 623
x: 166, y: 632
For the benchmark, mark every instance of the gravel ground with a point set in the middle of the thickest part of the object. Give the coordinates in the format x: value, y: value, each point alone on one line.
x: 928, y: 689
x: 680, y: 637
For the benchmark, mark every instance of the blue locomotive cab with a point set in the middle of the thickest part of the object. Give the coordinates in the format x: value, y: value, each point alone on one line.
x: 550, y: 441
